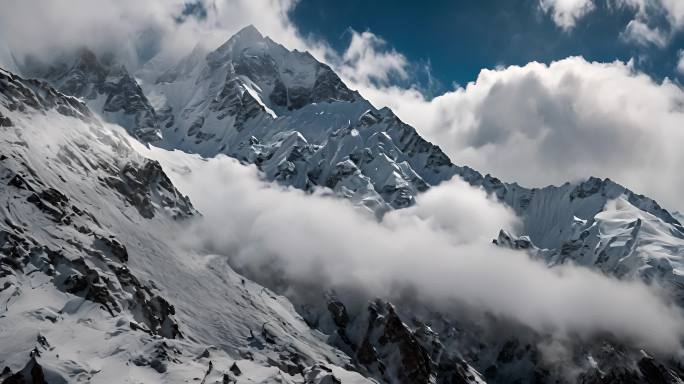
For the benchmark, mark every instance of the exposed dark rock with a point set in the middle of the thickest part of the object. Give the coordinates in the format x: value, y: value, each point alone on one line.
x: 53, y: 203
x: 113, y: 245
x: 152, y: 309
x: 235, y: 369
x: 20, y: 93
x: 366, y: 354
x: 32, y: 373
x: 338, y: 313
x: 5, y: 121
x: 141, y: 185
x: 86, y: 76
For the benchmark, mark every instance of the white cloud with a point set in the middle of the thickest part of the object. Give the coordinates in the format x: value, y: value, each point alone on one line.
x: 131, y: 27
x: 540, y: 124
x: 366, y: 60
x: 566, y: 13
x: 644, y: 28
x: 675, y: 12
x: 536, y: 124
x: 46, y: 28
x: 638, y: 32
x: 440, y: 250
x: 680, y: 61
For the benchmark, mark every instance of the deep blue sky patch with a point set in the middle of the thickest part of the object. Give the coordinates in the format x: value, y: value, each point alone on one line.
x: 458, y: 38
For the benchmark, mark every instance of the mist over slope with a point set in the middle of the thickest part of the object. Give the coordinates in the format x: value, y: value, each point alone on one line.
x: 322, y: 240
x: 439, y: 250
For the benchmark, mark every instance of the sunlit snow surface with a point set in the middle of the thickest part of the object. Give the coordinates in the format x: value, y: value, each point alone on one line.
x: 76, y: 338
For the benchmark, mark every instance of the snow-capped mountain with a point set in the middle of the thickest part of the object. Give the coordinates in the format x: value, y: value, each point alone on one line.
x: 597, y: 223
x: 257, y: 101
x: 254, y: 100
x: 92, y: 290
x: 83, y: 234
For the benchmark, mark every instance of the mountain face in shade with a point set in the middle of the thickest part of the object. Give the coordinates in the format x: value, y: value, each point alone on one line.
x: 105, y: 86
x: 83, y: 254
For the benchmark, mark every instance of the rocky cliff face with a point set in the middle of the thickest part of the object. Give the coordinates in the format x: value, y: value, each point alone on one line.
x: 95, y: 286
x: 85, y: 247
x: 292, y: 116
x: 105, y: 86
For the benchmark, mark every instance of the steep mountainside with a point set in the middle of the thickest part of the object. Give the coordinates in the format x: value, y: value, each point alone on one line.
x: 254, y: 100
x: 294, y: 118
x: 93, y: 287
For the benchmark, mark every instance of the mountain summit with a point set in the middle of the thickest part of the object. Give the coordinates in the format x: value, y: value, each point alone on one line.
x: 92, y: 290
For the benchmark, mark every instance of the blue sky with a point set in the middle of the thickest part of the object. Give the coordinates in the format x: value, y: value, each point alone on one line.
x: 458, y: 38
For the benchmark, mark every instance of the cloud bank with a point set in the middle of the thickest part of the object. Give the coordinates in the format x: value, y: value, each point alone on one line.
x: 539, y: 124
x: 440, y: 250
x: 536, y: 124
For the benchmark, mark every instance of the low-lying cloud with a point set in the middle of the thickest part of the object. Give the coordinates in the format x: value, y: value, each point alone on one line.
x: 439, y: 249
x: 540, y: 124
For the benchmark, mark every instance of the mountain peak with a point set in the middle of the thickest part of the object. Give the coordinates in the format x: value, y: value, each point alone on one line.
x: 247, y: 37
x: 250, y: 32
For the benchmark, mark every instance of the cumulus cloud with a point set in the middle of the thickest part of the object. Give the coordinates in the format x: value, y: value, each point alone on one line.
x: 536, y: 124
x: 135, y: 31
x: 639, y: 32
x: 366, y: 60
x: 440, y: 250
x: 647, y: 27
x: 566, y: 13
x: 539, y: 124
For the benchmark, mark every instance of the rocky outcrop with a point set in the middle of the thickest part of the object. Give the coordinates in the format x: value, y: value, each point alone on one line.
x: 95, y: 270
x: 18, y: 94
x: 147, y: 188
x: 105, y: 85
x: 394, y: 353
x: 89, y: 267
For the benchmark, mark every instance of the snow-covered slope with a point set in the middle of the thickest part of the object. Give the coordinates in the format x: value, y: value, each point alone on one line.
x: 292, y: 116
x: 322, y: 134
x: 597, y: 223
x: 73, y: 218
x: 92, y: 284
